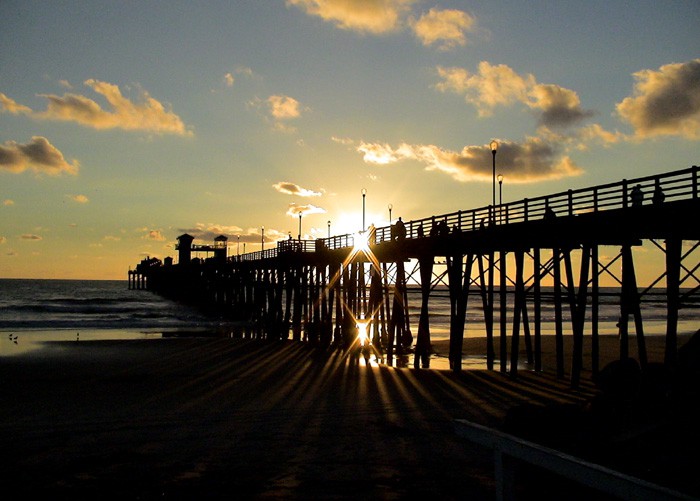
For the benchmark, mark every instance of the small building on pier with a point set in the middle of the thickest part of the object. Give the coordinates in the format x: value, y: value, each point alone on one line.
x: 185, y: 248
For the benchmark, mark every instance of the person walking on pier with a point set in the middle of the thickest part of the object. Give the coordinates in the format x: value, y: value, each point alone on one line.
x: 637, y: 196
x: 658, y: 197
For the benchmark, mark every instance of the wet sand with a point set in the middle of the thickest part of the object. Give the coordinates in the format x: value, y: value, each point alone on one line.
x: 187, y: 418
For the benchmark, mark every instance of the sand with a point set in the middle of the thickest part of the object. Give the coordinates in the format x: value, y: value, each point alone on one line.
x: 186, y: 418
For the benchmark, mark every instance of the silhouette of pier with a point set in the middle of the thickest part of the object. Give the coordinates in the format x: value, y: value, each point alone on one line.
x: 345, y: 288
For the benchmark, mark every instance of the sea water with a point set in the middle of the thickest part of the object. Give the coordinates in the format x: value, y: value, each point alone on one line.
x: 32, y: 311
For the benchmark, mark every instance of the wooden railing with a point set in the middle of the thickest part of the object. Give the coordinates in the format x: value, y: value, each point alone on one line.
x: 677, y: 185
x: 511, y: 451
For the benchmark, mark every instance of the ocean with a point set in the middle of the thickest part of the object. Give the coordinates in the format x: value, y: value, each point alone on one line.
x: 32, y: 311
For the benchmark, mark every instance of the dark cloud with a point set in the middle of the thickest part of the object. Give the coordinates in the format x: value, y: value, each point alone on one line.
x: 665, y: 102
x: 38, y: 155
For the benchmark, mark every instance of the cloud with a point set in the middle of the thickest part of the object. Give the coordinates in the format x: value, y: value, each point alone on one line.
x: 364, y: 16
x: 560, y: 107
x: 445, y: 28
x: 207, y: 232
x: 12, y: 107
x: 3, y: 240
x: 28, y: 236
x: 294, y: 189
x: 156, y: 235
x: 81, y: 199
x: 38, y: 155
x: 283, y: 107
x: 533, y: 160
x: 500, y: 85
x: 7, y: 202
x: 229, y: 79
x: 279, y: 110
x: 294, y: 210
x: 146, y: 115
x: 665, y: 102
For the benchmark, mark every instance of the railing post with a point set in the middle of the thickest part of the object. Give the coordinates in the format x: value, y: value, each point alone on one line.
x: 695, y: 181
x: 595, y: 199
x: 624, y: 193
x: 459, y: 220
x: 571, y: 202
x: 525, y: 208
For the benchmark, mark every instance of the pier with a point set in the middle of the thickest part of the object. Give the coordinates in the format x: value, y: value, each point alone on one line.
x: 353, y: 289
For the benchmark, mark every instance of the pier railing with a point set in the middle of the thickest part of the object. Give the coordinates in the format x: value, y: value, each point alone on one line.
x: 677, y: 185
x: 511, y: 451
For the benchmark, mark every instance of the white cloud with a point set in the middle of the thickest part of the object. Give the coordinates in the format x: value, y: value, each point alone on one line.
x: 146, y: 115
x: 81, y: 199
x: 294, y: 189
x: 444, y: 28
x: 500, y: 85
x: 533, y: 160
x: 364, y: 16
x: 294, y: 210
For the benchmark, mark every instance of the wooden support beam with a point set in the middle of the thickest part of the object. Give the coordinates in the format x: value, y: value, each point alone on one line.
x: 559, y: 336
x: 503, y: 312
x: 519, y: 307
x: 673, y: 270
x: 595, y: 302
x: 422, y: 352
x: 537, y: 309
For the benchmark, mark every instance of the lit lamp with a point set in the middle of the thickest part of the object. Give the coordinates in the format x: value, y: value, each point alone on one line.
x: 364, y: 193
x: 500, y: 189
x: 494, y: 149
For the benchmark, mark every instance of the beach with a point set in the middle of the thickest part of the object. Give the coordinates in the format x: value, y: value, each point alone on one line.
x: 197, y: 417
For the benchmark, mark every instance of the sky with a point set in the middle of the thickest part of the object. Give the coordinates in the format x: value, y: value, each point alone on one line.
x: 125, y: 124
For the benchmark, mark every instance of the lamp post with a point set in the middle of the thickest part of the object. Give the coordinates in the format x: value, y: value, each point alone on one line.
x: 300, y: 226
x: 500, y: 189
x: 262, y: 239
x: 329, y: 229
x: 364, y: 193
x: 238, y: 246
x: 500, y: 196
x: 390, y: 207
x: 494, y: 149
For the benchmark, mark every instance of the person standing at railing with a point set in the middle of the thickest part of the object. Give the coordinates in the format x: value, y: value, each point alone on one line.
x: 637, y: 196
x: 400, y: 230
x: 658, y: 197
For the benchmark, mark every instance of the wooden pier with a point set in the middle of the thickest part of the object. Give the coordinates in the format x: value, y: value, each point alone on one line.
x: 347, y: 289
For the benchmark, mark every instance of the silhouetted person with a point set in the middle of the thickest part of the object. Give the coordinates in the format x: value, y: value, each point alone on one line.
x: 444, y: 229
x: 549, y: 213
x: 637, y: 196
x: 420, y: 231
x: 433, y: 227
x: 658, y: 197
x: 400, y: 230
